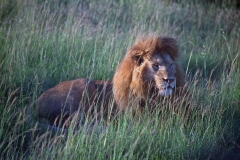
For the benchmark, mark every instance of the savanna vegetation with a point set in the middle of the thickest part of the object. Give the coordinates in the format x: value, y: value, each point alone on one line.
x: 45, y: 42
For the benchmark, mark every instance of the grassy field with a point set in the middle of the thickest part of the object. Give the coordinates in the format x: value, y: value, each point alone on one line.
x: 45, y: 42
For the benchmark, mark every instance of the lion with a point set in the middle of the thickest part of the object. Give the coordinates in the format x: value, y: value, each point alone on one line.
x: 148, y: 72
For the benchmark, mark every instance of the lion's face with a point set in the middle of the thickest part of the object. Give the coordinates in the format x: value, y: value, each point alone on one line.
x: 159, y: 71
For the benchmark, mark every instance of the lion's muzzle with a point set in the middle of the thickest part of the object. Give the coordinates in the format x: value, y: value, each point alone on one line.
x: 166, y: 87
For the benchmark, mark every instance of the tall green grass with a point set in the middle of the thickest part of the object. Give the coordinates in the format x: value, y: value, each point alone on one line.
x: 45, y: 42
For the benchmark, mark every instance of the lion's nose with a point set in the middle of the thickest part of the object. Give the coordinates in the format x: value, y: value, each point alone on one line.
x: 168, y: 80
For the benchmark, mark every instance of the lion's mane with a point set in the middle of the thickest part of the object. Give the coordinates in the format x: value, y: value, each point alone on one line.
x: 125, y: 87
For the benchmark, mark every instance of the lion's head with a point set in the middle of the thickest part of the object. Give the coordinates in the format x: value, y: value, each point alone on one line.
x: 149, y: 67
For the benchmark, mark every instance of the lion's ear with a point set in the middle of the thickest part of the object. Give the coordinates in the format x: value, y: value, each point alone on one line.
x: 138, y: 59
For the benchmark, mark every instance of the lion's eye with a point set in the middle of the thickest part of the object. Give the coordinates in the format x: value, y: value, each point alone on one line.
x: 155, y: 67
x: 172, y: 65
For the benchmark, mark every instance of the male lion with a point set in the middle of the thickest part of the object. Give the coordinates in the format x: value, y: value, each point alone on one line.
x: 148, y: 72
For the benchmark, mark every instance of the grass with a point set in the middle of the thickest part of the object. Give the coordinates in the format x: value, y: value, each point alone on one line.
x: 43, y: 43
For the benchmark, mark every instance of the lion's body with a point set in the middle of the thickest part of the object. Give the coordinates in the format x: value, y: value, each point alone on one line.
x: 70, y: 97
x: 148, y: 71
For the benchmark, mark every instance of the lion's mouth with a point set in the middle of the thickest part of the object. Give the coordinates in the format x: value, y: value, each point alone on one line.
x: 165, y: 91
x: 168, y: 87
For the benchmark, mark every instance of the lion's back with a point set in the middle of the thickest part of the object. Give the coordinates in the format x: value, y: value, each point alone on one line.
x: 65, y: 98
